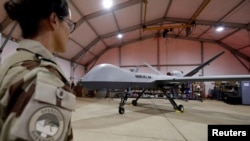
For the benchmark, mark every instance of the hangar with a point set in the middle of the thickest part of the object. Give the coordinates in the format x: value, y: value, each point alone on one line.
x: 167, y: 34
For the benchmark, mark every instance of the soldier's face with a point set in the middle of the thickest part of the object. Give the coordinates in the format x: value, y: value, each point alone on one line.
x: 62, y: 36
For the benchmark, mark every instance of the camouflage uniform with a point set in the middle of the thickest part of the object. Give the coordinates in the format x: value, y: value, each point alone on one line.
x: 35, y: 99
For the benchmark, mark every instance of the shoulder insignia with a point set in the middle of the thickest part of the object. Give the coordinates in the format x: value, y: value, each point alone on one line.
x: 46, y: 124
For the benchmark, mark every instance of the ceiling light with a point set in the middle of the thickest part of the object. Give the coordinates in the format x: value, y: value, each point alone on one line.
x: 107, y: 4
x: 119, y: 36
x: 219, y: 28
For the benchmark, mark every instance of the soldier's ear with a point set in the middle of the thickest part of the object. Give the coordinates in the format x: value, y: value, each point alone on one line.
x: 53, y: 20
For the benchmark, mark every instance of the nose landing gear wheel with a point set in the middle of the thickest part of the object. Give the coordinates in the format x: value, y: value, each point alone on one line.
x: 121, y: 110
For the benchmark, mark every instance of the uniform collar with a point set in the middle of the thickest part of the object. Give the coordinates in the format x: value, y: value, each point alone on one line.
x: 37, y: 48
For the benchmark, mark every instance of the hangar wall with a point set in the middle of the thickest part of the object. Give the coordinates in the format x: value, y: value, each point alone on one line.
x: 175, y: 54
x: 11, y: 46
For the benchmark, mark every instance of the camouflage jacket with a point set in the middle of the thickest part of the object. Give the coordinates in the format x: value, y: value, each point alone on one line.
x: 35, y: 100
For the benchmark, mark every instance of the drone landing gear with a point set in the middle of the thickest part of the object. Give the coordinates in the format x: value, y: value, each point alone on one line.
x: 179, y: 108
x: 121, y: 110
x: 124, y: 100
x: 122, y: 103
x: 134, y: 102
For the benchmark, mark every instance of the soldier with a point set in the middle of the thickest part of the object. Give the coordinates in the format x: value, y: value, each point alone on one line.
x: 36, y: 102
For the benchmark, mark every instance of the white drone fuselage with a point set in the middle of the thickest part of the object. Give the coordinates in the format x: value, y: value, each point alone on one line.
x: 108, y: 76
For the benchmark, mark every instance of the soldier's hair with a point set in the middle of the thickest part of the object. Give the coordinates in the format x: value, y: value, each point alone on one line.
x: 28, y: 13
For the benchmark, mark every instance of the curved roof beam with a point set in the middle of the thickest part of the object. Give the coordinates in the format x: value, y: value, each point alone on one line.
x: 171, y: 19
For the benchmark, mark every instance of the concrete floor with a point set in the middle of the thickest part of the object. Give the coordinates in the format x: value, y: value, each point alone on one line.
x: 152, y: 120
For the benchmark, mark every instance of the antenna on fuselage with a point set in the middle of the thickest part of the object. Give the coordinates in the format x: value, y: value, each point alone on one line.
x: 137, y: 69
x: 155, y: 70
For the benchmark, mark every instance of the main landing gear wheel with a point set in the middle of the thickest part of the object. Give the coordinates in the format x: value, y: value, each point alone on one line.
x: 134, y: 102
x: 181, y: 108
x: 121, y: 110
